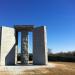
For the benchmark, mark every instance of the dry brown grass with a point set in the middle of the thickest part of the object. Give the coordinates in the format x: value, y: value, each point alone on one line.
x: 4, y: 73
x: 62, y: 68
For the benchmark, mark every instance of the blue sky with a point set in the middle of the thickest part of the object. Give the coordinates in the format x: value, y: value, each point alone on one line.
x: 57, y: 15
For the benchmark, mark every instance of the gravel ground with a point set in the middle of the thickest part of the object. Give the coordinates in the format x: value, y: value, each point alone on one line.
x: 17, y: 70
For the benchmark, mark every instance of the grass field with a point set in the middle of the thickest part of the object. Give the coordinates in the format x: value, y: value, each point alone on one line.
x: 61, y: 68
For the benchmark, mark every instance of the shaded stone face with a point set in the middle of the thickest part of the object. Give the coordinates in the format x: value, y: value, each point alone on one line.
x: 28, y: 28
x: 39, y: 46
x: 24, y: 47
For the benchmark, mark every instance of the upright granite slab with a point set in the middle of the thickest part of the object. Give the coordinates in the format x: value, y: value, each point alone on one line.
x: 7, y: 46
x: 40, y: 46
x: 0, y: 43
x: 24, y: 48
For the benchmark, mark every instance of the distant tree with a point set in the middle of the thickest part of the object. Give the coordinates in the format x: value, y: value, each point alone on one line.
x: 73, y: 53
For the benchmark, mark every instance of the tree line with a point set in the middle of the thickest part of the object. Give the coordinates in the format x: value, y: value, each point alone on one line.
x: 61, y: 56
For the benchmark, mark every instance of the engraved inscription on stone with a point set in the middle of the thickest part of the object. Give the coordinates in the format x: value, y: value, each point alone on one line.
x: 24, y: 47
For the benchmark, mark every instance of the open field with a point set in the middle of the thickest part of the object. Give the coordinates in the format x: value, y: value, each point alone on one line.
x: 59, y: 68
